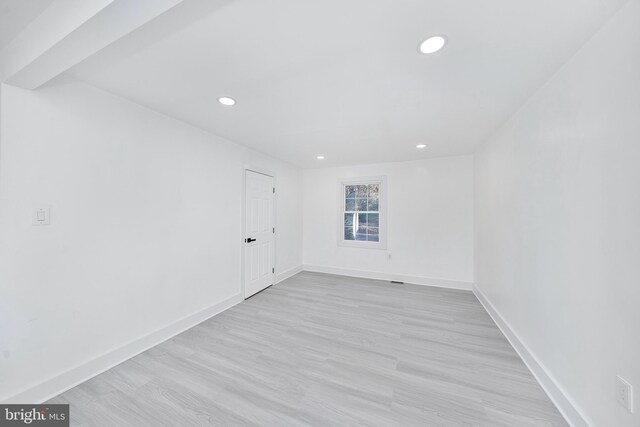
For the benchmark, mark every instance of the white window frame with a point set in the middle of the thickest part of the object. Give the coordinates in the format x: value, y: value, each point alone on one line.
x: 382, y: 210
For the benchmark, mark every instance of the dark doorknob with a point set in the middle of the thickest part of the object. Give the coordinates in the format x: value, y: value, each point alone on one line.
x: 249, y: 240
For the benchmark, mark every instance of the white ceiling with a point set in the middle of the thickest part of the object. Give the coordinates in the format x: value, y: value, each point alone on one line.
x: 343, y: 78
x: 15, y: 15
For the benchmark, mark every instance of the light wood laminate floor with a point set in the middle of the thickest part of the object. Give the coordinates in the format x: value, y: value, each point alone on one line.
x: 323, y: 350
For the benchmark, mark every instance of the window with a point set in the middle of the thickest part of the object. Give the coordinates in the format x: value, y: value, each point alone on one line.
x: 362, y: 216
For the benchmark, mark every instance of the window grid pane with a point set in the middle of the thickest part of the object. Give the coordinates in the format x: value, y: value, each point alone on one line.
x: 361, y: 212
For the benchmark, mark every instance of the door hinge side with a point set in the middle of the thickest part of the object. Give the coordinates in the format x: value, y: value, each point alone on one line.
x: 274, y: 190
x: 273, y: 270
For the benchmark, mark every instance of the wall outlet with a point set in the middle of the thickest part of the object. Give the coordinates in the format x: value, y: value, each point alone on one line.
x: 624, y: 394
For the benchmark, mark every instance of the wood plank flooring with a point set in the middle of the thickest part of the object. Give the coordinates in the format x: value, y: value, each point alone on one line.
x: 323, y: 350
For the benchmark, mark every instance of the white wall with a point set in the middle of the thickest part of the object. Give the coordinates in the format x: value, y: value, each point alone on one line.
x: 558, y: 222
x: 146, y: 222
x: 430, y: 222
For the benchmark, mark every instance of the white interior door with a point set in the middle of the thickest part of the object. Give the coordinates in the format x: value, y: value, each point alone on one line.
x: 259, y: 244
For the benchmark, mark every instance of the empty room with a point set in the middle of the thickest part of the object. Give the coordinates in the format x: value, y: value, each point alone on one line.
x: 320, y: 213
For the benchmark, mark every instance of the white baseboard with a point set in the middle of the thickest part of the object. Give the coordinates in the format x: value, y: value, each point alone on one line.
x: 62, y: 382
x: 414, y: 280
x: 289, y: 273
x: 556, y: 393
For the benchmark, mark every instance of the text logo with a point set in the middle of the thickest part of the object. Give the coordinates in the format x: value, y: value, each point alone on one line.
x: 34, y: 415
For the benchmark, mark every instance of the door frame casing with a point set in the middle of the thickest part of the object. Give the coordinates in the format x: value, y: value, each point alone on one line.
x: 243, y: 228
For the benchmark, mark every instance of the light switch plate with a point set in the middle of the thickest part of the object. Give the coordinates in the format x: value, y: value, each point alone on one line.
x: 624, y: 393
x: 41, y: 216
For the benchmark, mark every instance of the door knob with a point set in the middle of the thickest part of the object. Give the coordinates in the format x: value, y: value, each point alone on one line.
x: 249, y: 240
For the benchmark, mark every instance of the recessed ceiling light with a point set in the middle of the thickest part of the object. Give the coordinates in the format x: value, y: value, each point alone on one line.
x: 433, y: 44
x: 320, y: 157
x: 421, y: 146
x: 225, y: 100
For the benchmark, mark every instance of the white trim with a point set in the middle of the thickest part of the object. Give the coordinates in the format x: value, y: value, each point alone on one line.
x: 378, y: 275
x: 243, y: 220
x: 287, y: 274
x: 567, y: 407
x: 62, y: 382
x: 382, y: 210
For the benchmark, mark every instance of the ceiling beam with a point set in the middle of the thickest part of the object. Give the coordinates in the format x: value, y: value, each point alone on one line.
x: 68, y: 32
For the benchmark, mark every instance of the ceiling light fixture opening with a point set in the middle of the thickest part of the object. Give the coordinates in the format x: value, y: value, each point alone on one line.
x: 225, y: 100
x: 433, y: 44
x: 421, y: 146
x: 320, y: 157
